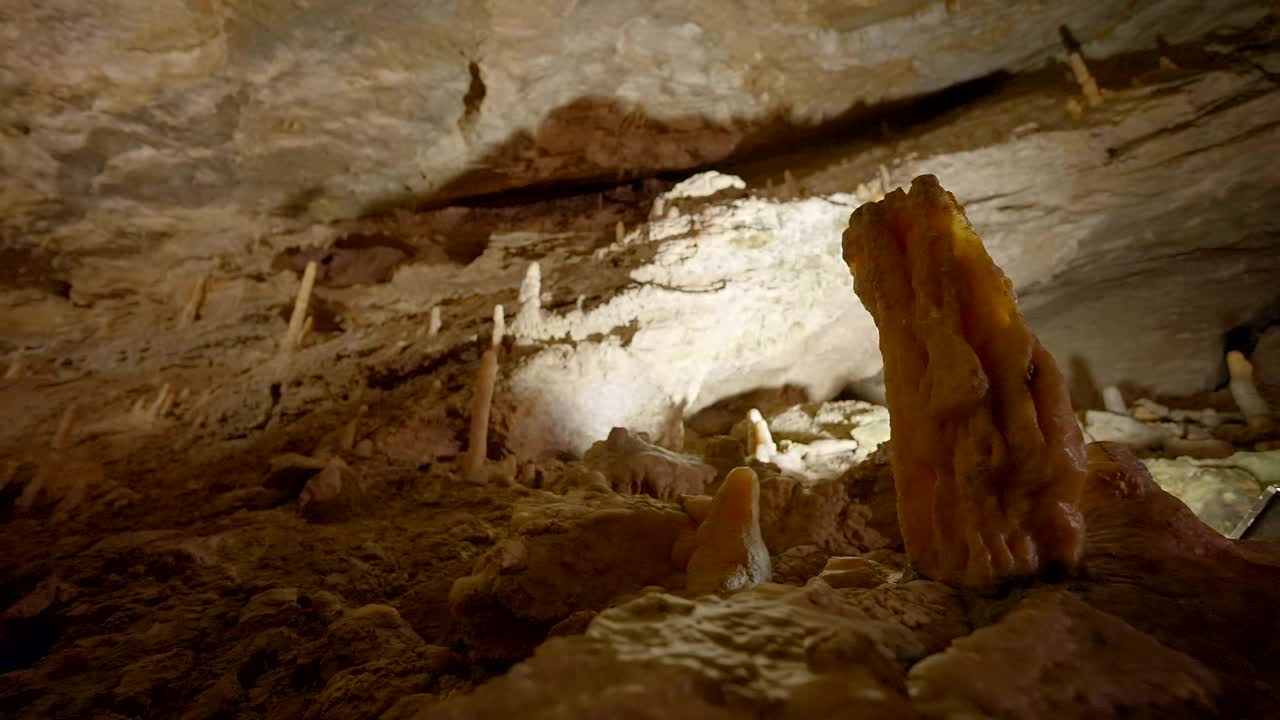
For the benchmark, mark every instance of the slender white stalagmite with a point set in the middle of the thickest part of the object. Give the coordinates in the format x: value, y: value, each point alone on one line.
x: 1257, y: 414
x: 530, y: 317
x: 433, y: 326
x: 478, y: 437
x: 499, y: 326
x: 297, y: 321
x: 760, y: 444
x: 191, y: 311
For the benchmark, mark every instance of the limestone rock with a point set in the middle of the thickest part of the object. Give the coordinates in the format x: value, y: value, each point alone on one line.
x: 1101, y: 426
x: 634, y: 467
x: 535, y: 578
x: 1057, y: 657
x: 795, y: 565
x: 826, y: 439
x: 368, y: 690
x: 789, y: 284
x: 249, y: 106
x: 860, y: 572
x: 143, y: 681
x: 1152, y: 563
x: 704, y: 185
x: 576, y: 677
x: 409, y: 707
x: 1263, y: 465
x: 848, y: 515
x: 729, y: 553
x: 370, y: 659
x: 366, y: 634
x: 1148, y: 410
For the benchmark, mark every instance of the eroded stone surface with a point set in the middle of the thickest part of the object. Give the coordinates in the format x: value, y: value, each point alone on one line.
x: 1219, y: 496
x: 564, y: 554
x: 1055, y: 656
x: 757, y: 644
x: 634, y: 466
x: 338, y: 110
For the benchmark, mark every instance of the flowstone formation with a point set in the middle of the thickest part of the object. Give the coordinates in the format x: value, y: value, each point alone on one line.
x: 987, y: 455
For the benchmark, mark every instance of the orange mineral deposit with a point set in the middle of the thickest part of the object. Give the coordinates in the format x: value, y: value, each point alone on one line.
x: 987, y: 457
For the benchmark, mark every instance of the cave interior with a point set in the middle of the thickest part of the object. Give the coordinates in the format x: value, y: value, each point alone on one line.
x: 490, y: 359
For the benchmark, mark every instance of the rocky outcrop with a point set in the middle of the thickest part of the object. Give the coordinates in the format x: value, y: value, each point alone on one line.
x: 1170, y: 620
x: 1044, y: 650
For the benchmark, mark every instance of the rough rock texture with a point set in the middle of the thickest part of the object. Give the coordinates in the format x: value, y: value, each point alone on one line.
x: 835, y: 515
x: 333, y: 109
x: 634, y: 467
x: 1153, y: 564
x: 1101, y: 426
x: 1044, y: 651
x: 1170, y: 621
x: 555, y: 687
x: 777, y: 634
x: 564, y: 554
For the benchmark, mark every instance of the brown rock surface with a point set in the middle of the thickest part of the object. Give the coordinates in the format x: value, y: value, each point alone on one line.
x: 634, y: 466
x: 1171, y: 620
x: 563, y: 554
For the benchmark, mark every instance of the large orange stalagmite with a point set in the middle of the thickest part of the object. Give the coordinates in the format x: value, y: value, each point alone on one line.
x: 987, y: 456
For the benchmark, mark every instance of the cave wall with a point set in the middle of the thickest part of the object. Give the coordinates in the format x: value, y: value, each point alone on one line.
x: 331, y: 108
x: 152, y: 147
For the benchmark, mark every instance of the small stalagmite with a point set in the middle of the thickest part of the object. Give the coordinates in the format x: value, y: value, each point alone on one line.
x: 473, y: 463
x: 729, y: 552
x: 298, y: 319
x: 987, y: 456
x: 1257, y: 414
